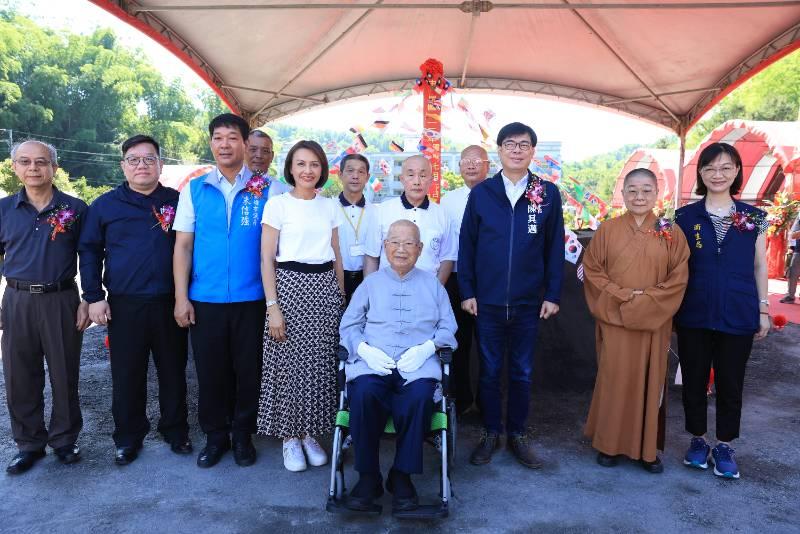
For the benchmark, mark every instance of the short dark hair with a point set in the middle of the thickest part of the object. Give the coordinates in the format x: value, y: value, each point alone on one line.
x: 314, y: 147
x: 709, y: 154
x: 139, y: 139
x: 230, y: 120
x: 357, y: 157
x: 647, y: 172
x: 515, y: 128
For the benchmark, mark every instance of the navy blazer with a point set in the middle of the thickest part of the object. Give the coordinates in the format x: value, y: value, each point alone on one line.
x: 721, y: 294
x: 122, y: 231
x: 499, y: 261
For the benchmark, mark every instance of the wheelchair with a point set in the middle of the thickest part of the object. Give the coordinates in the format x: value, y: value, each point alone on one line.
x: 442, y: 436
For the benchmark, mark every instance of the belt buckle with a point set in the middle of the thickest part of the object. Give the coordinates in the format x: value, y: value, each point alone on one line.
x: 36, y: 289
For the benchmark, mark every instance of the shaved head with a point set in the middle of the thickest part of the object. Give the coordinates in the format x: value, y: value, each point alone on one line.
x: 397, y: 227
x: 643, y: 173
x: 419, y: 159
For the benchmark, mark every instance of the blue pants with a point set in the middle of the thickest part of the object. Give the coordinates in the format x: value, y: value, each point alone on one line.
x: 500, y: 330
x: 373, y: 399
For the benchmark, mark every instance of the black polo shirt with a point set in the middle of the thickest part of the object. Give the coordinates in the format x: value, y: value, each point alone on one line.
x: 32, y: 252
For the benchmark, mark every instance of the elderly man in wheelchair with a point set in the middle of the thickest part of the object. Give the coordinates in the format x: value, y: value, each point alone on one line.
x: 398, y: 319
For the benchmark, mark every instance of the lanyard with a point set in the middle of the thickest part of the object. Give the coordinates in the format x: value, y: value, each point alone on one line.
x: 358, y: 224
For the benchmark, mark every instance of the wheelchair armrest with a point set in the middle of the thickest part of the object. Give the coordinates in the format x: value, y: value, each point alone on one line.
x: 445, y: 355
x: 342, y: 353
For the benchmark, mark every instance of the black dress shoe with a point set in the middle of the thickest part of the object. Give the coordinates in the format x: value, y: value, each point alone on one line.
x: 606, y: 460
x: 244, y: 453
x: 212, y: 454
x: 181, y: 446
x: 127, y: 454
x: 368, y: 488
x: 404, y: 494
x: 522, y: 449
x: 23, y: 461
x: 68, y: 454
x: 655, y: 467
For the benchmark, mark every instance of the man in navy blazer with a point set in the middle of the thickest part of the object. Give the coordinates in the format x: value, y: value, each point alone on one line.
x: 510, y: 268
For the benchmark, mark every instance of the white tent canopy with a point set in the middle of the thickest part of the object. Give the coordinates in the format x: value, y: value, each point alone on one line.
x: 664, y: 62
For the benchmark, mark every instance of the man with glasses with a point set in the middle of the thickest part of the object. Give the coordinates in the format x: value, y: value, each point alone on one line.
x: 126, y: 246
x: 510, y: 268
x: 474, y: 166
x: 42, y: 317
x: 439, y: 251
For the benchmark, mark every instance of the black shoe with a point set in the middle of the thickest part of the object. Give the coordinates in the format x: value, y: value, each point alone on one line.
x: 23, y: 461
x: 68, y: 454
x: 653, y: 467
x: 606, y: 460
x: 212, y: 454
x: 404, y: 494
x: 482, y: 454
x: 181, y: 446
x: 244, y: 454
x: 127, y: 454
x: 368, y: 488
x: 522, y: 449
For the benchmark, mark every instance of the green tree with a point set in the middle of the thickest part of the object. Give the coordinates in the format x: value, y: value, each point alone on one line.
x: 10, y: 183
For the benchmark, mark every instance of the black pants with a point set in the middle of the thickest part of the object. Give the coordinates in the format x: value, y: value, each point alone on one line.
x: 140, y: 325
x: 39, y: 327
x: 352, y: 279
x: 227, y: 344
x: 462, y: 385
x: 699, y: 349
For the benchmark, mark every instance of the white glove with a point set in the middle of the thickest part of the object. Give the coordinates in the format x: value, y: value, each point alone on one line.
x: 413, y: 358
x: 376, y: 359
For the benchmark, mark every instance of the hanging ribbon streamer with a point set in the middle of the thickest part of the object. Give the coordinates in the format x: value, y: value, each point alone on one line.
x: 433, y: 86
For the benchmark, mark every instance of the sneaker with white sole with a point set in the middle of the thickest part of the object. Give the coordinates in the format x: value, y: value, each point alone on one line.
x: 314, y: 452
x: 293, y: 458
x: 697, y: 454
x: 724, y: 461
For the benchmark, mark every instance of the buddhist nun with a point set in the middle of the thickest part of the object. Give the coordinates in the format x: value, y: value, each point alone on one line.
x: 635, y: 275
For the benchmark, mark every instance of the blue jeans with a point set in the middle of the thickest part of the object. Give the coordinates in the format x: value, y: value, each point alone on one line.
x: 500, y: 330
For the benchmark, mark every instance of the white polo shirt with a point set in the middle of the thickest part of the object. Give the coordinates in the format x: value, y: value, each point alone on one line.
x: 454, y: 203
x: 355, y: 220
x: 435, y: 231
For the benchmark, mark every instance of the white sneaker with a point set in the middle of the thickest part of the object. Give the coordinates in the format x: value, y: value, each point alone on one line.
x: 314, y: 451
x: 293, y: 458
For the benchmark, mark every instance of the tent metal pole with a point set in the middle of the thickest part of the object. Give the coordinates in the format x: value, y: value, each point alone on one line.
x: 472, y: 22
x: 681, y: 158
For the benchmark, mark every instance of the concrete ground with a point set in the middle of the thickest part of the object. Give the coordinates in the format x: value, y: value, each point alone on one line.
x: 165, y: 492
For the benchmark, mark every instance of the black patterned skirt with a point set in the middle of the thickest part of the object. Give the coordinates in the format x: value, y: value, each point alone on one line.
x: 298, y: 383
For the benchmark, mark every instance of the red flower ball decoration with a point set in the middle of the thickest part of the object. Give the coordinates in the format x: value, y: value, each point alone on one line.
x: 433, y: 74
x: 779, y: 321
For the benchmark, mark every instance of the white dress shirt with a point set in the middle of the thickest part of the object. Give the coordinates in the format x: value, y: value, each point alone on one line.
x: 513, y: 192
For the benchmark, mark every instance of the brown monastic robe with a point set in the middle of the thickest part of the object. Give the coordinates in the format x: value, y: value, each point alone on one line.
x: 632, y: 332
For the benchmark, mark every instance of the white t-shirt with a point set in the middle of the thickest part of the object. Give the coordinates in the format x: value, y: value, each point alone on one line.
x: 305, y: 227
x: 454, y: 204
x: 434, y: 226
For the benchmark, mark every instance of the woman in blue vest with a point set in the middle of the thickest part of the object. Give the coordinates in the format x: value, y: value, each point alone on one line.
x: 725, y: 306
x: 304, y: 286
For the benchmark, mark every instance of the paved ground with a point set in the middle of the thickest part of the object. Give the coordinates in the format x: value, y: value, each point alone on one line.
x: 165, y: 492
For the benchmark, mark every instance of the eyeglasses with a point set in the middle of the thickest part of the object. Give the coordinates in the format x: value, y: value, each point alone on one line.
x: 403, y: 244
x: 38, y: 162
x: 134, y: 161
x: 511, y: 145
x: 474, y: 162
x: 258, y: 150
x: 726, y: 171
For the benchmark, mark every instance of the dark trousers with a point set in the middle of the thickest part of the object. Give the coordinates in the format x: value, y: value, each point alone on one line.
x: 502, y: 330
x: 373, y: 399
x: 794, y: 273
x: 227, y: 342
x: 699, y: 349
x: 140, y: 325
x: 41, y: 327
x: 352, y: 279
x: 462, y: 385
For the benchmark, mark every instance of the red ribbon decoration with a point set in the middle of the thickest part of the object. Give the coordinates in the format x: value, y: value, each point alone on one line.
x: 433, y: 86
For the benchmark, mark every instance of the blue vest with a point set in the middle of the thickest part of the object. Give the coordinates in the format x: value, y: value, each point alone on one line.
x: 721, y: 294
x: 226, y: 260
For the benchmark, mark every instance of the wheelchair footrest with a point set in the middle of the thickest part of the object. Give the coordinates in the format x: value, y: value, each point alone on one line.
x: 338, y: 507
x: 425, y: 511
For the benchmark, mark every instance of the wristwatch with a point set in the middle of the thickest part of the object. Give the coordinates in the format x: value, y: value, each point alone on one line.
x: 271, y: 303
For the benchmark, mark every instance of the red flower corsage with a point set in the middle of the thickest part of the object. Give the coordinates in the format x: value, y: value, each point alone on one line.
x: 256, y: 185
x: 61, y: 219
x: 535, y: 192
x: 663, y: 228
x: 165, y: 216
x: 745, y: 222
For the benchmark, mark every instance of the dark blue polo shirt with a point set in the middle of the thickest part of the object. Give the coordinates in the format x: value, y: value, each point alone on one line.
x: 25, y: 239
x: 122, y: 230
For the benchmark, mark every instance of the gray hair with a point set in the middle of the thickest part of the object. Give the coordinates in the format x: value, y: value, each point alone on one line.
x: 404, y: 223
x: 50, y: 148
x: 260, y: 133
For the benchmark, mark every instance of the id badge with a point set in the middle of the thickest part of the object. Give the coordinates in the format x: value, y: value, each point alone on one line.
x: 356, y: 250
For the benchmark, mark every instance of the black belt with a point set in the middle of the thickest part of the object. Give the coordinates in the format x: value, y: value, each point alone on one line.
x: 307, y: 268
x: 40, y: 288
x: 353, y: 274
